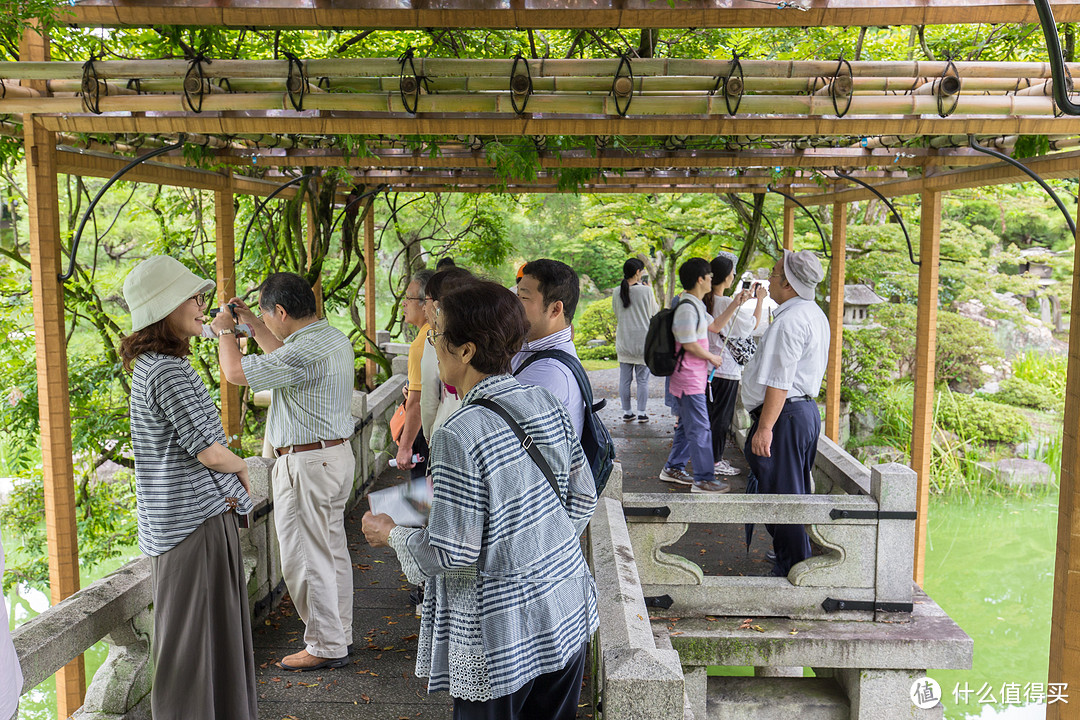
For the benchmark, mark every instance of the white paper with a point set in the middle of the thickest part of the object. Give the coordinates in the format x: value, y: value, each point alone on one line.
x: 408, y: 503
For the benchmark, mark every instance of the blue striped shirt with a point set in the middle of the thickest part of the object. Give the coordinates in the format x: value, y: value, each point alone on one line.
x: 173, y: 419
x: 509, y: 595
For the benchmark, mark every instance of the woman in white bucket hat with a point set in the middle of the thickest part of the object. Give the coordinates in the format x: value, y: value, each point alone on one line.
x: 189, y: 488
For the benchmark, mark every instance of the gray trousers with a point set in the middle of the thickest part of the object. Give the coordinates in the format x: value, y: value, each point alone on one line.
x: 628, y: 371
x: 203, y: 662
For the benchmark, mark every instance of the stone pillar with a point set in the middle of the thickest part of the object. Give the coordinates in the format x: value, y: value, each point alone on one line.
x: 121, y: 686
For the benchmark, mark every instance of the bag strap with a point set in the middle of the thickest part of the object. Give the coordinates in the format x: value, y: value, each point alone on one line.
x: 575, y: 367
x: 526, y: 442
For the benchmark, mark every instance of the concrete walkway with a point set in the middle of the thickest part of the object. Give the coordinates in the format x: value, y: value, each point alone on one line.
x: 379, y: 683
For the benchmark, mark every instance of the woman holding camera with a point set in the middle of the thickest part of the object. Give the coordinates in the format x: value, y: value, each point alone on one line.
x: 189, y: 488
x: 510, y: 603
x: 634, y: 305
x: 733, y: 323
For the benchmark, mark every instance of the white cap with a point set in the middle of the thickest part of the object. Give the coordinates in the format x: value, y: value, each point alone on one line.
x: 803, y: 272
x: 157, y: 286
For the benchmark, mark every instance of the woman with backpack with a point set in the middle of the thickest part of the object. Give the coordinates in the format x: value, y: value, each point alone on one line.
x: 634, y: 306
x: 736, y: 325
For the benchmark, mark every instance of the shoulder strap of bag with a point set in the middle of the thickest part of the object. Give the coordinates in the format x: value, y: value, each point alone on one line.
x: 526, y: 442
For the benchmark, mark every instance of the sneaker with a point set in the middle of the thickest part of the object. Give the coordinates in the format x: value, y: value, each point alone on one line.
x: 643, y: 418
x: 725, y: 468
x: 676, y: 476
x: 770, y: 556
x: 628, y: 417
x: 710, y: 486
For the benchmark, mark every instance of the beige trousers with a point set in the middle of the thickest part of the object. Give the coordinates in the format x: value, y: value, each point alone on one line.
x: 310, y: 492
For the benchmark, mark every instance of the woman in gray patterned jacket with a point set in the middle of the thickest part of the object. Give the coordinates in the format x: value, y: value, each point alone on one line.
x: 188, y: 489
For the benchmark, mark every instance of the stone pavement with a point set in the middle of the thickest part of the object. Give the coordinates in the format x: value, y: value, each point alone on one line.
x: 379, y: 683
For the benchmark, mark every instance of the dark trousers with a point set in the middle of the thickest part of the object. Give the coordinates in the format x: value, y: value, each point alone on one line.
x: 552, y: 696
x: 721, y: 399
x: 788, y: 472
x: 420, y: 447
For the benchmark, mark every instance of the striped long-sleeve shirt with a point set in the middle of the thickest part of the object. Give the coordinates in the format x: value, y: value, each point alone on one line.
x: 173, y: 419
x: 311, y: 378
x: 509, y: 595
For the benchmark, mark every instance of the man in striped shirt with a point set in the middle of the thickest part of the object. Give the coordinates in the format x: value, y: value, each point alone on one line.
x: 309, y: 368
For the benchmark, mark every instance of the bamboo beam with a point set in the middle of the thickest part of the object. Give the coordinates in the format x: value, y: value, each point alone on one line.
x: 789, y: 225
x: 837, y: 272
x: 922, y: 421
x: 346, y: 123
x: 369, y: 291
x: 542, y: 14
x: 225, y: 238
x: 46, y: 263
x: 1064, y: 649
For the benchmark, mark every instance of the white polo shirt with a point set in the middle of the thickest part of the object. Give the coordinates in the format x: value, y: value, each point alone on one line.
x: 792, y: 354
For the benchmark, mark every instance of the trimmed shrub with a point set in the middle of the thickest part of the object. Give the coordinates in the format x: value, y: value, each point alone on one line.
x: 981, y: 421
x: 596, y: 321
x: 1021, y: 393
x: 600, y: 352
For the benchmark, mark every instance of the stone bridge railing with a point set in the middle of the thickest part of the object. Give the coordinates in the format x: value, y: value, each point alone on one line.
x: 852, y: 614
x: 116, y: 608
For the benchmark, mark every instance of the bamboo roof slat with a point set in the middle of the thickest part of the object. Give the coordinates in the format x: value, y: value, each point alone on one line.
x: 552, y: 13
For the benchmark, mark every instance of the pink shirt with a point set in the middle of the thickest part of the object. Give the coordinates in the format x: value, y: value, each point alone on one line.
x: 690, y: 324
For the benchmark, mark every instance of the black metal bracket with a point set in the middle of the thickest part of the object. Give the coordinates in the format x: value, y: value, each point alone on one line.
x: 521, y: 85
x: 831, y: 605
x: 91, y: 86
x: 622, y: 85
x: 409, y: 83
x: 732, y: 87
x: 1057, y: 61
x: 892, y: 209
x: 974, y: 145
x: 262, y: 512
x: 195, y: 82
x: 824, y: 244
x: 297, y: 82
x: 93, y: 203
x: 261, y: 205
x: 663, y: 602
x: 838, y: 514
x: 661, y: 511
x: 834, y: 91
x: 941, y: 89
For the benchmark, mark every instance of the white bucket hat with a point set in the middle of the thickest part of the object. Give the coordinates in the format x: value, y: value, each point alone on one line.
x: 157, y: 286
x: 803, y: 272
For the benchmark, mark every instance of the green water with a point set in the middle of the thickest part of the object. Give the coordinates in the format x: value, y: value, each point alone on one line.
x: 990, y: 565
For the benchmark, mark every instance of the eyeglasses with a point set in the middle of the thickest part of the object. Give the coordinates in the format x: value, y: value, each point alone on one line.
x: 414, y: 299
x: 431, y: 335
x: 201, y: 300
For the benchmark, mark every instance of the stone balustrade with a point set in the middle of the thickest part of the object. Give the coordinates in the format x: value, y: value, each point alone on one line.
x: 116, y: 608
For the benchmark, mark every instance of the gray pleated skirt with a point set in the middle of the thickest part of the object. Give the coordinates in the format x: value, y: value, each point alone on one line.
x: 203, y: 662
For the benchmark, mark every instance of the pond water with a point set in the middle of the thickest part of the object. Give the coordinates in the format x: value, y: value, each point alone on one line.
x: 990, y: 565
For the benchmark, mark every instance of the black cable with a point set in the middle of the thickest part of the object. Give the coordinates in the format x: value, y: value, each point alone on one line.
x: 974, y: 145
x: 1057, y: 62
x: 824, y: 243
x: 93, y: 203
x: 261, y: 205
x: 892, y: 208
x: 352, y: 203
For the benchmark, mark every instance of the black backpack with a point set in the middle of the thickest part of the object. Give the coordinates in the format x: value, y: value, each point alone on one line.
x: 595, y: 439
x: 660, y: 353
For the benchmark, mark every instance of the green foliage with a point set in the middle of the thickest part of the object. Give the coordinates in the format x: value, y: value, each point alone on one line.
x: 1028, y: 146
x: 867, y: 364
x: 600, y: 352
x: 512, y: 162
x: 1042, y: 369
x: 1021, y: 393
x: 980, y: 421
x: 596, y: 321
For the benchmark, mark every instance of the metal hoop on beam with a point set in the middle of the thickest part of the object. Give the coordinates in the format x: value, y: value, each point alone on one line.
x: 521, y: 85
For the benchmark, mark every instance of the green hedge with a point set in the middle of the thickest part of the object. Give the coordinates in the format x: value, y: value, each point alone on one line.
x: 601, y: 352
x: 980, y: 420
x: 1021, y: 393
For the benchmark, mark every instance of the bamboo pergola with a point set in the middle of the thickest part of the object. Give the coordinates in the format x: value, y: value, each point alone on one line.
x: 684, y: 126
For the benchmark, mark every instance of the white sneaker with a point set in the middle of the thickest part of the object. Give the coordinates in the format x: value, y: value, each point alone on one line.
x: 676, y: 476
x: 725, y: 468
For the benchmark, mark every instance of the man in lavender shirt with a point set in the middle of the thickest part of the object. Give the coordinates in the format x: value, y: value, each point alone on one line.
x: 693, y: 438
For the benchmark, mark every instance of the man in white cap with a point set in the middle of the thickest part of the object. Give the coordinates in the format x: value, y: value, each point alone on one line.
x: 779, y: 386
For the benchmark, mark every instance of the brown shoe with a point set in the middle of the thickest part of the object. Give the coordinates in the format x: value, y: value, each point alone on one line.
x: 304, y: 661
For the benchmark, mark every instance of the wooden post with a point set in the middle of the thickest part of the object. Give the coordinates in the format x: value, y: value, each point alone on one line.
x: 317, y: 287
x: 922, y: 420
x: 225, y: 235
x: 1064, y: 648
x: 789, y: 225
x: 369, y: 287
x: 47, y: 261
x: 836, y: 321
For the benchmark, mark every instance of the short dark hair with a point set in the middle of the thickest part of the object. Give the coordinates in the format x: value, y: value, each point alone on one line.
x: 446, y: 262
x: 291, y: 292
x: 693, y: 270
x: 446, y: 280
x: 557, y: 281
x: 490, y: 317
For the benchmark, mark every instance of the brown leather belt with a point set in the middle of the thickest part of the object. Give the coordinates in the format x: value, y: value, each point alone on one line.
x: 308, y: 446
